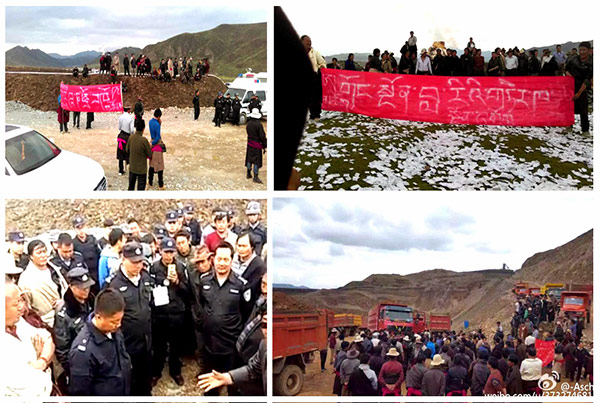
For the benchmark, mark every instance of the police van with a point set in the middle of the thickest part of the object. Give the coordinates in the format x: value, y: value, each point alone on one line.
x: 246, y: 85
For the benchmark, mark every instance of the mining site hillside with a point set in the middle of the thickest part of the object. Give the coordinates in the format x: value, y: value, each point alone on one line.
x: 482, y: 297
x: 41, y: 91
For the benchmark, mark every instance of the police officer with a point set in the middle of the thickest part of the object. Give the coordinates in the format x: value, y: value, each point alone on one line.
x: 88, y: 246
x: 16, y: 248
x: 172, y: 223
x: 193, y: 224
x: 159, y: 231
x: 66, y: 259
x: 135, y: 286
x: 98, y: 360
x: 202, y: 264
x: 255, y: 227
x: 233, y: 224
x: 171, y: 295
x: 236, y: 105
x: 225, y: 305
x: 254, y: 103
x: 227, y: 107
x: 71, y: 314
x: 219, y: 105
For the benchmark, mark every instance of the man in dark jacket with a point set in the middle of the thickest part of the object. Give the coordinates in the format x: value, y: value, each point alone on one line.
x: 248, y: 265
x: 71, y: 314
x: 171, y: 295
x: 479, y: 373
x: 196, y: 102
x: 219, y: 104
x: 98, y: 361
x: 513, y: 380
x: 466, y: 63
x: 226, y: 107
x: 439, y: 64
x: 135, y: 285
x: 16, y: 248
x: 126, y: 65
x: 434, y: 380
x: 256, y: 146
x: 457, y: 378
x: 236, y: 106
x: 66, y: 258
x: 88, y: 247
x: 254, y: 103
x: 582, y: 70
x: 224, y: 305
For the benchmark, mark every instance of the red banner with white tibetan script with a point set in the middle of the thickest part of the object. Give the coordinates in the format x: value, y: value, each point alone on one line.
x: 513, y: 101
x: 545, y: 351
x: 91, y: 98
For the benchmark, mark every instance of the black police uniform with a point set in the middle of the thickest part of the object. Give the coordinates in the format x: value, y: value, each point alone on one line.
x: 68, y: 322
x: 253, y: 275
x: 224, y: 309
x: 226, y: 108
x: 254, y: 103
x: 22, y: 261
x: 259, y: 233
x: 137, y: 327
x: 167, y: 320
x: 219, y: 104
x: 195, y: 231
x: 90, y: 251
x: 76, y: 261
x: 100, y: 366
x: 236, y: 105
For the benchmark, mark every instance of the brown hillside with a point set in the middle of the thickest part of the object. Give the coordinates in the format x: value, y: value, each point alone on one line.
x: 569, y: 263
x: 481, y: 297
x: 40, y: 91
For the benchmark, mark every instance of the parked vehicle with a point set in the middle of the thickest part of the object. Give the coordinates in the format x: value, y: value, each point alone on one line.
x: 32, y: 161
x: 246, y: 85
x: 440, y: 323
x: 296, y: 337
x: 392, y: 316
x: 576, y: 304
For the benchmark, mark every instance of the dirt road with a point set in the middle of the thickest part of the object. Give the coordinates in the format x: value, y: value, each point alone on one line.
x: 199, y: 155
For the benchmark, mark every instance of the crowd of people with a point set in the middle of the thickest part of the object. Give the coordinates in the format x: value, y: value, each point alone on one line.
x: 168, y: 69
x: 88, y: 316
x: 578, y: 63
x: 454, y: 363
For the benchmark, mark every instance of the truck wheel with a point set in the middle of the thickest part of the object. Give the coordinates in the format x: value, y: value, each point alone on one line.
x: 289, y: 381
x: 243, y: 119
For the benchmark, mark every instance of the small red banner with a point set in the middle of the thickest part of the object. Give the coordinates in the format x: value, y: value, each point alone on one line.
x: 91, y: 98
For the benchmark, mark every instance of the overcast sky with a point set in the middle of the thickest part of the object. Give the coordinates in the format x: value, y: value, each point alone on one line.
x: 338, y: 27
x: 330, y: 239
x: 70, y: 30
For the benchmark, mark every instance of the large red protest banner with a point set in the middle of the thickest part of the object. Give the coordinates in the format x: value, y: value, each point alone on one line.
x: 514, y: 101
x: 91, y: 98
x: 545, y: 351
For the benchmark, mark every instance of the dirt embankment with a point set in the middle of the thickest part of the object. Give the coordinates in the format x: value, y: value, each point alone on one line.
x: 285, y: 303
x: 40, y: 91
x: 37, y: 216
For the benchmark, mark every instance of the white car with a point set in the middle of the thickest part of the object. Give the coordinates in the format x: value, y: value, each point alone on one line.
x: 34, y: 161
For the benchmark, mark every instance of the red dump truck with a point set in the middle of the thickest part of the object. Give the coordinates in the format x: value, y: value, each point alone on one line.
x: 576, y: 304
x: 296, y: 338
x: 521, y: 289
x: 439, y: 323
x: 390, y: 315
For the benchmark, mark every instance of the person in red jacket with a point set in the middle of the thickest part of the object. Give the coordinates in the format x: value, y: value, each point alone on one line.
x: 391, y: 375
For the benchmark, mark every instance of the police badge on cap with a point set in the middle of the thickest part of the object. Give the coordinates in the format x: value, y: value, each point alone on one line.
x: 16, y: 236
x: 133, y: 252
x: 171, y: 216
x: 167, y: 244
x: 78, y: 221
